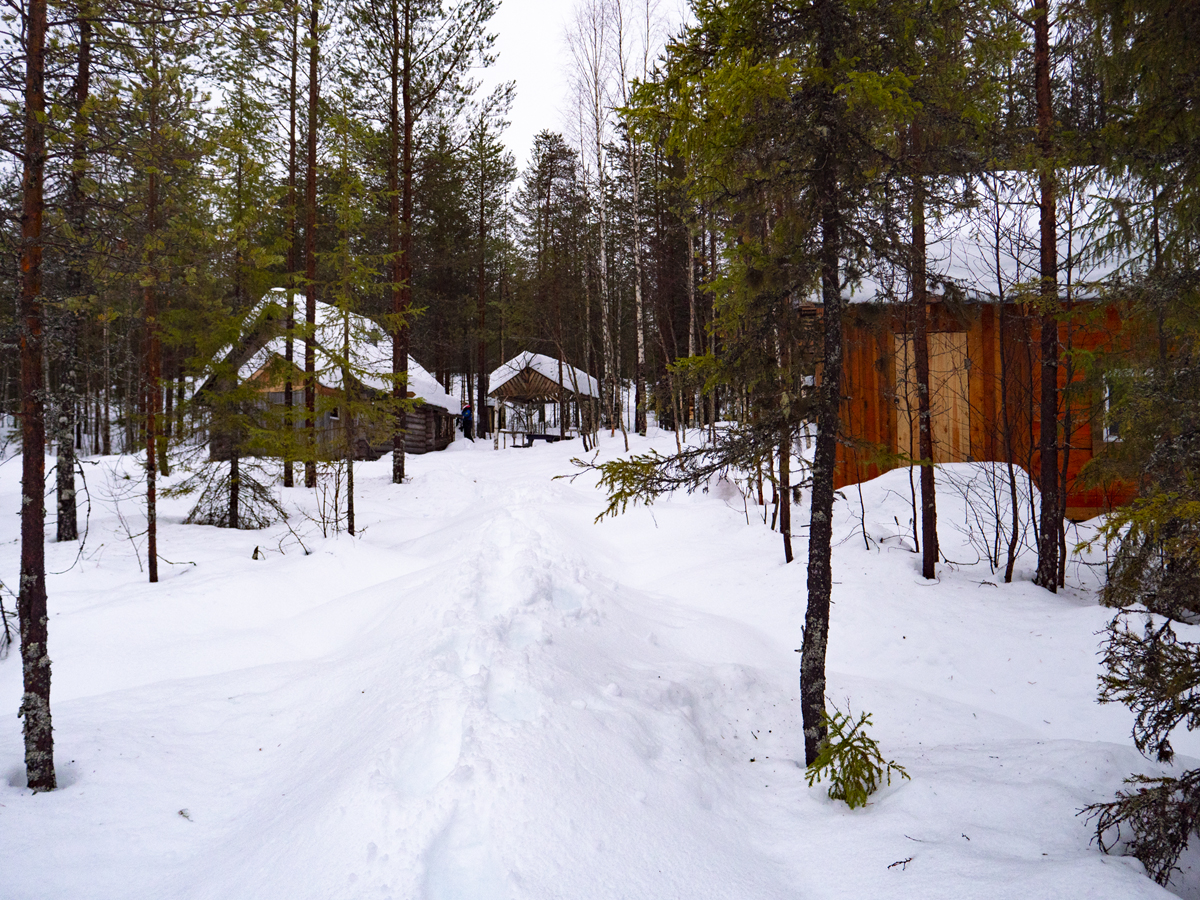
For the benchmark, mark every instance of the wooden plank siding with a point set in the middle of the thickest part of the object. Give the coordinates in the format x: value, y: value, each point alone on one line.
x: 949, y: 400
x: 976, y: 413
x: 867, y: 411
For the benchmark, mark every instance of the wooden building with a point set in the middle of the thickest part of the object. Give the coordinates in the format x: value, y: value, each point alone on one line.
x: 259, y: 360
x: 530, y: 384
x: 984, y: 391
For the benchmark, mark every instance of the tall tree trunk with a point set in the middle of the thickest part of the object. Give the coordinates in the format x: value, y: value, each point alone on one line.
x: 639, y: 395
x: 693, y: 411
x: 1009, y: 449
x: 785, y: 492
x: 239, y: 303
x: 712, y: 336
x: 179, y: 398
x: 929, y: 538
x: 131, y: 403
x: 153, y: 349
x: 481, y: 419
x: 608, y: 381
x: 67, y: 523
x: 347, y: 419
x: 31, y: 599
x: 153, y: 366
x: 400, y: 231
x: 235, y: 481
x: 563, y: 412
x: 820, y: 573
x: 1048, y: 539
x: 293, y: 262
x: 310, y: 255
x: 169, y: 398
x: 68, y: 519
x: 106, y: 425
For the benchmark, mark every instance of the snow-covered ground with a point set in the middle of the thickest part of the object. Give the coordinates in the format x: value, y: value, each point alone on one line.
x: 485, y: 695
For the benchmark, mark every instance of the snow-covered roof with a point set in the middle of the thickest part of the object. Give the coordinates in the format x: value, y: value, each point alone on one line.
x: 574, y: 379
x: 989, y: 247
x: 370, y: 355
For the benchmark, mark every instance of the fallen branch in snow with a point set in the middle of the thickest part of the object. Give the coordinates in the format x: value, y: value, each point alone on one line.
x: 186, y: 562
x: 902, y: 863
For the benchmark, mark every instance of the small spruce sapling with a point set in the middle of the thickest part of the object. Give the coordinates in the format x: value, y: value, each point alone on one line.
x: 850, y: 759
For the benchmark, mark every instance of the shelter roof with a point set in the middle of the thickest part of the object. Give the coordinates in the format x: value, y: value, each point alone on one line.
x: 574, y: 380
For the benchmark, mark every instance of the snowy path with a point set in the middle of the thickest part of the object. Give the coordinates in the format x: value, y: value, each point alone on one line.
x: 488, y: 696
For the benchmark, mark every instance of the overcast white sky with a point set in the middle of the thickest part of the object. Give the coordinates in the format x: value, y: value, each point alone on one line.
x: 532, y: 47
x: 531, y: 44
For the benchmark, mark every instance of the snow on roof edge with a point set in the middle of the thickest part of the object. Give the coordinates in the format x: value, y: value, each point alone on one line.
x: 546, y: 366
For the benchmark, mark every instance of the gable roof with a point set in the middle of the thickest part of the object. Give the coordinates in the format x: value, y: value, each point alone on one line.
x: 574, y: 380
x: 370, y: 355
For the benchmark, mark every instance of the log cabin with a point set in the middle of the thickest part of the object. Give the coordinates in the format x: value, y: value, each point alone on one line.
x: 259, y: 361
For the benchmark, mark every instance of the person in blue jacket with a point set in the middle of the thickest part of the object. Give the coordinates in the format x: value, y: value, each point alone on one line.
x: 467, y: 423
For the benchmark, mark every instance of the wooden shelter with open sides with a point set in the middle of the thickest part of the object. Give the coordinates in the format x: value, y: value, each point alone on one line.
x: 530, y: 385
x: 984, y: 391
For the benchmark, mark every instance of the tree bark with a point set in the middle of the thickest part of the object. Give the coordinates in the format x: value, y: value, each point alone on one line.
x: 67, y: 524
x: 1048, y: 531
x: 106, y: 425
x: 169, y: 400
x: 152, y: 351
x: 400, y: 219
x: 785, y: 493
x: 310, y: 254
x: 31, y: 599
x: 820, y: 574
x: 639, y: 415
x: 235, y: 482
x: 693, y: 410
x: 608, y: 381
x: 348, y: 420
x: 929, y: 538
x: 153, y: 366
x: 67, y: 519
x: 481, y: 422
x: 293, y: 262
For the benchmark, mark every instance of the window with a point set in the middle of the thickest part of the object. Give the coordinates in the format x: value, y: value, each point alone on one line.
x: 1116, y: 389
x: 333, y: 414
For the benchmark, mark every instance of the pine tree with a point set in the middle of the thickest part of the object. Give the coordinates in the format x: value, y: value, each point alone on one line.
x: 783, y: 117
x: 425, y: 50
x: 1150, y: 77
x: 31, y: 598
x: 491, y: 170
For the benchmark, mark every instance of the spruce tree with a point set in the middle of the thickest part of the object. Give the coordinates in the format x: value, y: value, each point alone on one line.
x: 1154, y: 392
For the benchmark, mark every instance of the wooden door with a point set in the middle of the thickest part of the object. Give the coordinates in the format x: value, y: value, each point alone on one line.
x: 950, y: 408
